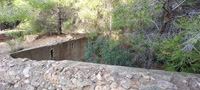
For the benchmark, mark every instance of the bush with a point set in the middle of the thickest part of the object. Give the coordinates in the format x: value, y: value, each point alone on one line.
x: 92, y: 36
x: 108, y: 52
x: 13, y: 47
x: 16, y: 49
x: 16, y: 34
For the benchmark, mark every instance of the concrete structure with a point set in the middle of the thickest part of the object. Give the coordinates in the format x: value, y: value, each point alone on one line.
x: 70, y: 50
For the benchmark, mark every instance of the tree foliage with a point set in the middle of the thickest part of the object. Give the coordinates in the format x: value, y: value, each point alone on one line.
x: 135, y: 14
x: 14, y: 10
x: 182, y: 53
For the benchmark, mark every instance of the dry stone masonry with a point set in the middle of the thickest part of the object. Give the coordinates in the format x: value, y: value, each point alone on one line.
x: 25, y: 74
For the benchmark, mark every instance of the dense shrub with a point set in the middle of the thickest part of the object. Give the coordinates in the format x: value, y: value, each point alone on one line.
x: 107, y: 52
x: 16, y: 34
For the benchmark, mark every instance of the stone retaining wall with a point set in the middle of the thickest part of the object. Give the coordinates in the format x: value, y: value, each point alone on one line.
x: 25, y: 74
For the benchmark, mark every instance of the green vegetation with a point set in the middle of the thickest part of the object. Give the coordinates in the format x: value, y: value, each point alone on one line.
x: 121, y: 32
x: 13, y: 10
x: 15, y: 34
x: 182, y: 52
x: 108, y: 52
x: 13, y: 46
x: 135, y: 14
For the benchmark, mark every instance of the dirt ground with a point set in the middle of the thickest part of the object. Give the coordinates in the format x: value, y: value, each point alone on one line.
x: 42, y: 41
x: 50, y: 40
x: 4, y: 47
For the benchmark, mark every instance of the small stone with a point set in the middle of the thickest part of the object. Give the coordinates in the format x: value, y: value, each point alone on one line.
x: 17, y: 77
x: 54, y: 78
x: 87, y: 87
x: 105, y: 87
x: 135, y: 84
x: 42, y: 84
x: 74, y: 81
x: 100, y: 83
x: 93, y: 77
x: 51, y: 88
x: 145, y: 76
x: 98, y: 88
x: 65, y: 81
x: 46, y: 85
x: 121, y: 88
x: 16, y: 85
x: 129, y: 76
x: 125, y: 84
x: 54, y: 64
x: 108, y: 77
x: 114, y: 85
x: 11, y: 65
x: 35, y: 84
x: 166, y: 85
x: 26, y: 72
x: 133, y: 89
x: 151, y: 78
x: 184, y: 81
x: 30, y: 88
x: 68, y: 74
x: 136, y: 77
x: 12, y: 73
x: 26, y: 81
x: 25, y: 59
x: 99, y: 77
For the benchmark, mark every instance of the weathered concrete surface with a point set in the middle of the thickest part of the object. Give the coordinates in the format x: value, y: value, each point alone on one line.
x: 69, y: 50
x: 25, y: 74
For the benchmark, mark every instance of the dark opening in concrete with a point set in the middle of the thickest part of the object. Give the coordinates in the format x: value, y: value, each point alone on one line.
x: 69, y: 50
x: 52, y: 54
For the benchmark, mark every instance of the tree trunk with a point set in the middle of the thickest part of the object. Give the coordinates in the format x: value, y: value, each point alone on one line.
x: 150, y: 59
x: 59, y: 21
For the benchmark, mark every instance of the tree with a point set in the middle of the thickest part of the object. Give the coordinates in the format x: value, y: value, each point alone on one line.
x: 54, y: 9
x: 14, y: 11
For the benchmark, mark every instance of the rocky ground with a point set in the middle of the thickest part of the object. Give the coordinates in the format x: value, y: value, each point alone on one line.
x: 26, y: 74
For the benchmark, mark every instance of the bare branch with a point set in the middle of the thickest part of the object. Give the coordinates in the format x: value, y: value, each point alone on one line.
x: 155, y: 24
x: 178, y: 5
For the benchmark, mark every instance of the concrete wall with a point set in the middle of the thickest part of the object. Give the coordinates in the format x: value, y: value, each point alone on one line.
x: 70, y: 50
